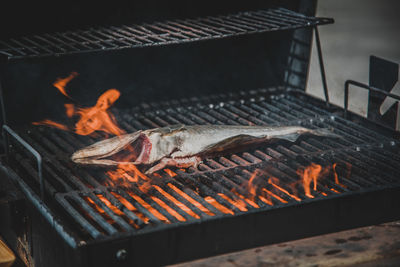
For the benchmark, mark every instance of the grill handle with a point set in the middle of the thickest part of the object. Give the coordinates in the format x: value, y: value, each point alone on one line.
x: 365, y: 86
x: 10, y: 132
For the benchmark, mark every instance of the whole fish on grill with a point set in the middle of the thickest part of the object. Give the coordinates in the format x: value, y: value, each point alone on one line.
x: 184, y: 146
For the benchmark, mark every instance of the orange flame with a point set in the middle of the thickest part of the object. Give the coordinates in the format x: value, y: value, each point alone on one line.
x: 251, y: 186
x: 170, y: 173
x: 61, y: 83
x: 70, y: 110
x: 274, y: 195
x: 310, y: 174
x: 237, y: 203
x: 97, y: 118
x: 176, y: 202
x: 130, y: 207
x: 148, y: 207
x: 91, y: 119
x: 274, y: 182
x: 168, y: 209
x: 191, y: 200
x: 51, y: 124
x: 126, y: 174
x: 217, y: 205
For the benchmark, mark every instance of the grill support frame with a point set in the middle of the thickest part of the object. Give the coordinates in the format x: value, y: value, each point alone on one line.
x: 214, y: 237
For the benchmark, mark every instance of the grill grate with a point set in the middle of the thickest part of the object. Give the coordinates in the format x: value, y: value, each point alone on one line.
x: 220, y: 186
x: 157, y: 33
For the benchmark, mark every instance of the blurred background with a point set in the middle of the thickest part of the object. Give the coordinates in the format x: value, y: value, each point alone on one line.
x: 362, y: 28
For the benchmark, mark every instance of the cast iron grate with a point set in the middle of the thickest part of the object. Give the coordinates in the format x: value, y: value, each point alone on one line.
x: 220, y: 186
x: 157, y: 33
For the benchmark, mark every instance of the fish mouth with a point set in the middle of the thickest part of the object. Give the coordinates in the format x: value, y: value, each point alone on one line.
x: 134, y: 148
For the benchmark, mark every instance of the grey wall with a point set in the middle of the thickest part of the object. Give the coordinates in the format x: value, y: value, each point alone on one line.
x: 362, y: 28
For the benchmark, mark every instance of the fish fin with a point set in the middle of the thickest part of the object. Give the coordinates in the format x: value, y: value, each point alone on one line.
x: 233, y: 142
x: 290, y: 137
x: 325, y: 132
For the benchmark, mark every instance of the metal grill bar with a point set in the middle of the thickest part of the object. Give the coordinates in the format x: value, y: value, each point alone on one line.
x: 219, y: 186
x: 158, y: 33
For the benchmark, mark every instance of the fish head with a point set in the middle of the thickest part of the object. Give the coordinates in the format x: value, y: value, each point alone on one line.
x: 98, y: 152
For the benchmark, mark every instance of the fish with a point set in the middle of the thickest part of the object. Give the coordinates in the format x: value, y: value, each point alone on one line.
x: 184, y: 146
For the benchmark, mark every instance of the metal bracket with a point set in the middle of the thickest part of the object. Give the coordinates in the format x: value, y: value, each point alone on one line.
x: 365, y: 86
x: 7, y: 129
x: 321, y: 66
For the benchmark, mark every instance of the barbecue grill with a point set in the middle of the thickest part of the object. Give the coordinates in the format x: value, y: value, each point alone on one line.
x: 257, y: 63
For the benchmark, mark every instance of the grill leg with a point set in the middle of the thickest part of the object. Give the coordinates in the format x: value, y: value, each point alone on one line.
x: 321, y: 66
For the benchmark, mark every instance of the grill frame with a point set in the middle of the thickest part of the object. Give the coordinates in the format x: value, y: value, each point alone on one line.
x: 350, y: 207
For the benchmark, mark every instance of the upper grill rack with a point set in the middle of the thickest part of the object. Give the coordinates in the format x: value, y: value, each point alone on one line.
x: 156, y: 33
x: 103, y: 210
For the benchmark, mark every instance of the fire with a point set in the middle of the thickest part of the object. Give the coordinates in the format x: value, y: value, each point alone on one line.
x: 191, y: 200
x: 310, y: 174
x: 52, y: 124
x: 238, y: 203
x: 170, y: 173
x: 61, y: 83
x: 148, y: 207
x: 274, y: 182
x: 176, y: 202
x: 91, y: 119
x: 98, y: 118
x: 70, y: 110
x: 125, y: 174
x: 130, y: 207
x: 218, y: 206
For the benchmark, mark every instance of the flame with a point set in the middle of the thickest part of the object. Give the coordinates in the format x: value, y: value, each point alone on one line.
x: 310, y: 174
x: 176, y: 202
x: 337, y: 177
x: 168, y: 209
x: 91, y: 119
x: 191, y: 200
x: 170, y: 173
x: 148, y: 207
x: 334, y: 190
x: 237, y: 203
x: 70, y: 110
x: 61, y: 83
x: 126, y: 174
x: 130, y: 207
x: 274, y: 195
x: 97, y: 118
x: 218, y: 206
x: 51, y: 124
x: 274, y: 182
x: 111, y: 207
x: 251, y: 186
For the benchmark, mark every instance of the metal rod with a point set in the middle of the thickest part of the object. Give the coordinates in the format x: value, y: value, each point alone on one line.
x: 365, y: 86
x: 321, y: 66
x: 30, y: 149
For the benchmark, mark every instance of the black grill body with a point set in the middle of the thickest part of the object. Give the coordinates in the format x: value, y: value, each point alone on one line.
x: 210, y: 72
